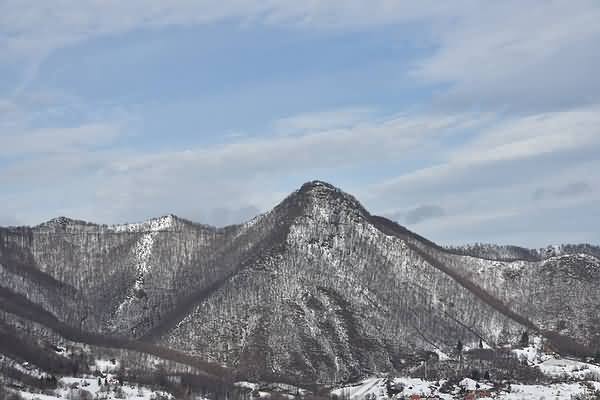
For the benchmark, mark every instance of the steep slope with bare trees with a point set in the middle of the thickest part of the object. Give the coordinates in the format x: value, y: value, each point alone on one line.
x: 317, y: 289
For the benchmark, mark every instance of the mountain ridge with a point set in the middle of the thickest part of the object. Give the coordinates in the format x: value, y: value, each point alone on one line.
x: 317, y: 288
x: 479, y: 250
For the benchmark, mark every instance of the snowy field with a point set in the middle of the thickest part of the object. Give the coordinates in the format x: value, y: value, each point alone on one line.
x: 414, y: 388
x: 577, y: 378
x: 563, y: 367
x: 75, y: 388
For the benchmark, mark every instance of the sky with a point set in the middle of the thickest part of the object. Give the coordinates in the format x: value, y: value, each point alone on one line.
x: 466, y: 121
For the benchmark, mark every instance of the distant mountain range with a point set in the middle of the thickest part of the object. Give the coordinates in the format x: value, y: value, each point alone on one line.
x: 317, y: 289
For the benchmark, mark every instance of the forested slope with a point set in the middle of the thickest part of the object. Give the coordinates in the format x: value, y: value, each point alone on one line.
x: 317, y: 289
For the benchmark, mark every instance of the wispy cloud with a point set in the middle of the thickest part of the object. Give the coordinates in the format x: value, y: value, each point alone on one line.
x: 511, y: 54
x: 568, y: 190
x: 323, y: 120
x: 517, y: 56
x: 358, y: 143
x: 127, y: 179
x: 501, y: 145
x: 423, y: 213
x: 59, y: 140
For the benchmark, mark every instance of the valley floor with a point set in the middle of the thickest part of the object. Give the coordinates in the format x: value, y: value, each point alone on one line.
x: 574, y: 380
x: 549, y: 377
x: 90, y: 388
x: 414, y: 389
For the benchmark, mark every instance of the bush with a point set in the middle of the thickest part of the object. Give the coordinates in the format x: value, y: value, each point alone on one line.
x: 80, y: 394
x: 158, y: 396
x: 119, y: 394
x: 5, y: 394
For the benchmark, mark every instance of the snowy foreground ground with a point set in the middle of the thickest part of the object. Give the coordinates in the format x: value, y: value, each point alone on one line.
x: 575, y: 379
x: 89, y: 387
x: 72, y: 388
x: 420, y: 389
x: 375, y: 388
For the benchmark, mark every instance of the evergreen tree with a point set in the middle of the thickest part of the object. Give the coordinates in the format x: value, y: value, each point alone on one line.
x: 480, y: 343
x: 388, y: 387
x: 75, y: 367
x: 524, y: 342
x: 459, y: 349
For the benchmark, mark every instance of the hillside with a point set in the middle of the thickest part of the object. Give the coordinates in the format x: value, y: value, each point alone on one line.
x: 315, y: 290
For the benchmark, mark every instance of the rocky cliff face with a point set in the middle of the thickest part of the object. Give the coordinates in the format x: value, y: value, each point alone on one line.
x: 317, y: 288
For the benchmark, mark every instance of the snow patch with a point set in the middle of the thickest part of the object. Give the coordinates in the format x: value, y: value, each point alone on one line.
x: 537, y: 392
x: 470, y: 384
x: 68, y: 387
x: 142, y: 253
x: 106, y: 365
x: 573, y: 369
x: 534, y: 353
x: 375, y: 388
x: 153, y: 225
x: 441, y: 355
x: 247, y: 385
x: 368, y: 387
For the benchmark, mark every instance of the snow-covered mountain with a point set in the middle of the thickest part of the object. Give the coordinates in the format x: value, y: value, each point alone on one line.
x: 317, y: 289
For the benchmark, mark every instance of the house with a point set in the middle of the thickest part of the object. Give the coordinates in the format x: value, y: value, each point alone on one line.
x: 477, y: 394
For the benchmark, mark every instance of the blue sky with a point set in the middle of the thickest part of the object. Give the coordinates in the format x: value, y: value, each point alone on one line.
x: 465, y: 123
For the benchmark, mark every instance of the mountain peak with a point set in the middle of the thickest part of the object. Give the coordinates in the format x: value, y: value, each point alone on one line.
x: 319, y: 196
x: 59, y: 221
x: 62, y: 222
x: 317, y: 184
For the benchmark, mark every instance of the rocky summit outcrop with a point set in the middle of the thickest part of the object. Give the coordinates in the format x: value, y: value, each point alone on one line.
x: 317, y: 289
